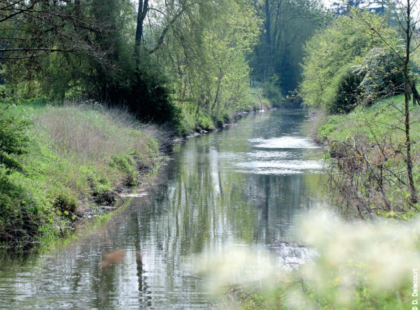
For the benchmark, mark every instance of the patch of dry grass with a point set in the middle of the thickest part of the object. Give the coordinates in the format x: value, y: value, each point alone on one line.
x: 93, y: 133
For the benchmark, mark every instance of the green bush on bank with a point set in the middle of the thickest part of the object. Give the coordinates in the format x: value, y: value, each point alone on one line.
x: 64, y: 159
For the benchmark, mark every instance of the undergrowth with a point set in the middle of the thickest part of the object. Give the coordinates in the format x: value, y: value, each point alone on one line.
x: 368, y: 148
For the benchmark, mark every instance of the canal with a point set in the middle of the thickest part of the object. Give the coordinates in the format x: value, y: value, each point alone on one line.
x: 243, y: 186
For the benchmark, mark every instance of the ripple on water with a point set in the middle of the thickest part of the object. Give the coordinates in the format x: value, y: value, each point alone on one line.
x: 285, y: 164
x: 286, y: 142
x: 270, y: 154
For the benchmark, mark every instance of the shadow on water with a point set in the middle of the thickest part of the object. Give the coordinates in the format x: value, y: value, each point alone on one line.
x: 243, y: 186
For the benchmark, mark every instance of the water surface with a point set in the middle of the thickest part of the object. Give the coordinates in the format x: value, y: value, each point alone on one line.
x: 243, y: 186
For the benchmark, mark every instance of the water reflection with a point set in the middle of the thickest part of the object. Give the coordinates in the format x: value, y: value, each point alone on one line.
x: 246, y: 183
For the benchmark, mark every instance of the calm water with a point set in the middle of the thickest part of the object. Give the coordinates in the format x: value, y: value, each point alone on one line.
x: 243, y: 186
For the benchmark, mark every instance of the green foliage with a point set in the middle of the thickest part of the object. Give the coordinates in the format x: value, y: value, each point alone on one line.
x: 331, y: 56
x: 20, y: 214
x: 348, y: 92
x: 205, y: 57
x: 146, y: 97
x: 383, y: 74
x: 13, y: 139
x: 205, y: 122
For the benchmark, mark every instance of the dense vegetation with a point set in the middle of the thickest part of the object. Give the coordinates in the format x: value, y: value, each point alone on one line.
x: 180, y: 63
x: 353, y: 65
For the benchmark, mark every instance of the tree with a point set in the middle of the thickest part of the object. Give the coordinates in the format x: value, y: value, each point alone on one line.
x: 333, y: 53
x: 141, y: 15
x: 29, y: 29
x: 204, y: 54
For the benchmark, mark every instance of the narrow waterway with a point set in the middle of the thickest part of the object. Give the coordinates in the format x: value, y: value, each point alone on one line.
x: 241, y: 186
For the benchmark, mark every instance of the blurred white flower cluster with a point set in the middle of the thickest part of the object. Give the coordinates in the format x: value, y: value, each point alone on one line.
x: 359, y: 265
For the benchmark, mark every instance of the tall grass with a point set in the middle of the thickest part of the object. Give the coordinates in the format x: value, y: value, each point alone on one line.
x: 94, y: 133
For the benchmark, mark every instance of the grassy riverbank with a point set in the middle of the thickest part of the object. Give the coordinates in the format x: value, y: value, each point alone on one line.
x: 368, y: 146
x: 74, y: 159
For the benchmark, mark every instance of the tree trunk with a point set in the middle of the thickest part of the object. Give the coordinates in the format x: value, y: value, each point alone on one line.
x: 407, y: 89
x: 267, y: 27
x: 141, y: 16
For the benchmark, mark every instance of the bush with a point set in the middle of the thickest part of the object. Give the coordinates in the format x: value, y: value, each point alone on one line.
x: 205, y: 122
x: 383, y: 75
x: 331, y: 53
x: 19, y: 214
x: 13, y: 139
x: 145, y: 95
x: 18, y: 210
x: 348, y: 92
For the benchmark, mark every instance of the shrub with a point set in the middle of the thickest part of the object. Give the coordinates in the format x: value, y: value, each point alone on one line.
x: 331, y: 52
x: 13, y: 139
x: 205, y: 122
x: 20, y: 215
x: 145, y: 95
x: 383, y: 75
x: 348, y: 92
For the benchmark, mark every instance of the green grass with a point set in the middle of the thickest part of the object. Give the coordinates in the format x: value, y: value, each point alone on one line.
x: 378, y: 119
x: 76, y: 157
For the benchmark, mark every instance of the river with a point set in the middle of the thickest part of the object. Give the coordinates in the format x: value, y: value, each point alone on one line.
x: 242, y: 186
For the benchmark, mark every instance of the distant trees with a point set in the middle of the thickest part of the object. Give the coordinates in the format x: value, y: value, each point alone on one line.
x: 372, y: 6
x: 287, y: 26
